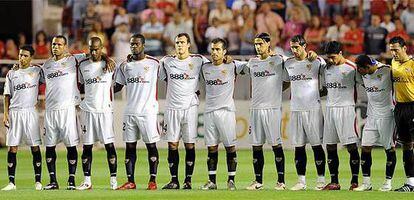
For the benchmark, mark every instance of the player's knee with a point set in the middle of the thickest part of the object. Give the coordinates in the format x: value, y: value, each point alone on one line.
x: 331, y: 147
x: 277, y: 146
x: 131, y: 145
x: 189, y: 145
x: 172, y: 145
x: 352, y: 147
x: 301, y: 148
x: 390, y: 150
x: 231, y: 149
x: 407, y: 146
x: 13, y: 149
x: 258, y: 148
x: 35, y: 148
x: 212, y: 149
x: 366, y: 149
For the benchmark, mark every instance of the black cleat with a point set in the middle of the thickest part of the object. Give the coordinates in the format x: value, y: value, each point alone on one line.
x: 51, y: 186
x: 171, y: 186
x: 187, y: 186
x: 71, y: 186
x: 405, y: 188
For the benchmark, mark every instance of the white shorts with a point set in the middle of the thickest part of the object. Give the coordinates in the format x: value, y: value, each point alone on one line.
x: 23, y: 128
x: 306, y: 127
x: 61, y: 126
x: 136, y: 127
x: 379, y: 132
x: 220, y: 126
x: 181, y: 124
x: 97, y: 127
x: 265, y: 125
x: 340, y: 126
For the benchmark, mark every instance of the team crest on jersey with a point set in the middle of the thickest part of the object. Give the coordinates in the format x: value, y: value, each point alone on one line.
x: 31, y: 74
x: 271, y: 63
x: 191, y: 66
x: 343, y: 73
x: 309, y: 66
x: 224, y: 72
x: 379, y: 76
x: 146, y: 69
x: 407, y: 70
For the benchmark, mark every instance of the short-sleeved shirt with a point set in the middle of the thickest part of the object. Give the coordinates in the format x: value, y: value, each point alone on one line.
x: 403, y: 80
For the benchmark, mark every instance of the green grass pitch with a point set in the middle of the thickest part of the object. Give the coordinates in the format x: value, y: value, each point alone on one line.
x: 100, y: 178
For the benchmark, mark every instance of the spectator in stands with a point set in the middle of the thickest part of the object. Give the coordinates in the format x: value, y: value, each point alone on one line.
x: 152, y: 31
x: 11, y: 50
x: 97, y: 31
x: 400, y: 7
x: 106, y: 12
x: 120, y: 41
x: 21, y: 39
x: 351, y: 8
x: 293, y: 27
x: 215, y: 31
x: 398, y: 32
x: 387, y: 23
x: 172, y: 29
x: 168, y: 7
x: 305, y: 14
x: 121, y: 17
x: 2, y: 49
x: 136, y: 6
x: 89, y: 19
x: 333, y: 7
x: 381, y: 7
x: 78, y: 47
x: 189, y: 26
x: 407, y: 18
x: 375, y: 37
x: 353, y: 39
x: 223, y: 15
x: 233, y: 40
x: 152, y: 8
x: 41, y: 46
x: 78, y: 11
x: 313, y: 6
x: 237, y: 6
x: 200, y: 27
x: 269, y: 22
x: 247, y: 34
x: 337, y: 31
x: 314, y: 34
x: 244, y: 14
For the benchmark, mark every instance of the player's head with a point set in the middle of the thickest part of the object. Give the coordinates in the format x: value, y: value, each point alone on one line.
x: 59, y: 45
x: 333, y: 51
x: 365, y: 64
x: 262, y: 43
x: 95, y: 48
x: 137, y: 43
x: 218, y: 49
x: 298, y: 46
x: 182, y: 43
x: 398, y: 48
x: 26, y: 53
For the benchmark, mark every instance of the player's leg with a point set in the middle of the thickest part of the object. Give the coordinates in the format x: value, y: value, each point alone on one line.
x: 51, y: 167
x: 300, y: 163
x: 33, y: 139
x: 189, y: 164
x: 354, y: 162
x: 257, y: 139
x: 13, y: 139
x: 386, y: 131
x: 389, y: 169
x: 173, y: 162
x: 273, y: 131
x: 86, y: 167
x: 72, y: 158
x: 212, y: 138
x: 172, y: 119
x: 37, y: 166
x: 153, y: 160
x: 299, y: 140
x: 68, y: 126
x: 330, y: 139
x: 130, y: 133
x: 366, y: 163
x: 11, y: 168
x: 226, y: 126
x: 320, y: 161
x: 112, y: 164
x: 231, y: 158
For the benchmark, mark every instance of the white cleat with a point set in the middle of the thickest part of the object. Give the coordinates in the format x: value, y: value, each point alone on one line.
x: 38, y: 186
x: 209, y: 186
x: 299, y: 186
x: 9, y: 187
x: 280, y: 186
x: 255, y: 186
x: 364, y: 187
x: 386, y: 187
x: 320, y: 186
x: 113, y: 183
x: 85, y: 186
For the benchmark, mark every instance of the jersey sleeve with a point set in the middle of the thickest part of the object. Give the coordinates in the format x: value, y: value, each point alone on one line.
x: 285, y: 75
x: 120, y: 74
x: 240, y: 65
x: 8, y: 84
x: 205, y: 60
x: 42, y: 76
x: 80, y: 76
x: 80, y: 56
x: 162, y: 73
x: 322, y: 68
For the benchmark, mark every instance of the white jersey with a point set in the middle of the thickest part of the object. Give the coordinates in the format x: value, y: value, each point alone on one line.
x: 98, y: 86
x: 266, y: 81
x: 340, y: 81
x: 379, y: 92
x: 182, y: 78
x: 61, y: 83
x: 23, y: 85
x: 219, y: 82
x: 304, y: 83
x: 140, y: 78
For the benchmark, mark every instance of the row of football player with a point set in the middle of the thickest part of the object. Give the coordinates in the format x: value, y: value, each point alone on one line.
x: 139, y: 74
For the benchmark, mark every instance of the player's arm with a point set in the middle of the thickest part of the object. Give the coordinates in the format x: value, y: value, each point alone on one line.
x: 323, y: 91
x: 239, y: 66
x: 162, y: 73
x: 6, y: 100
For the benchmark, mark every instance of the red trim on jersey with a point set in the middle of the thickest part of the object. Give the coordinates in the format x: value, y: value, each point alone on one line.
x: 350, y: 64
x: 156, y: 90
x: 152, y: 58
x: 355, y: 127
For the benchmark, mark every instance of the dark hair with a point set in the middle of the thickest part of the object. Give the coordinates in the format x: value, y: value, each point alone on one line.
x: 299, y: 39
x: 264, y: 36
x: 184, y: 35
x: 40, y: 33
x: 398, y: 40
x: 28, y: 48
x: 362, y: 61
x: 139, y: 36
x: 333, y: 47
x: 62, y: 37
x: 220, y: 40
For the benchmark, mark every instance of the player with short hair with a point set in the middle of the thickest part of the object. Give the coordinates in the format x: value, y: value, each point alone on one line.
x: 20, y: 115
x: 96, y: 115
x: 139, y: 74
x: 380, y: 125
x: 306, y: 117
x: 340, y: 118
x: 403, y: 83
x: 220, y: 116
x: 181, y: 72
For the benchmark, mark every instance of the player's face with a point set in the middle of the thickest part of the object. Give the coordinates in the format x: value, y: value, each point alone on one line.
x: 297, y: 49
x: 95, y: 49
x: 217, y: 51
x: 261, y: 46
x: 363, y: 70
x: 398, y: 52
x: 24, y: 58
x: 182, y: 46
x: 58, y: 46
x: 136, y: 46
x: 333, y: 59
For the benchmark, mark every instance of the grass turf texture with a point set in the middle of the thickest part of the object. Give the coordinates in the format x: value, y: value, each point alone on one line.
x: 100, y: 178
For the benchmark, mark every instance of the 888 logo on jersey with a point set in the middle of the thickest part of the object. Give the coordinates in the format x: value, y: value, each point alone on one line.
x: 56, y: 74
x: 23, y: 86
x: 138, y: 79
x: 216, y: 82
x: 183, y: 76
x: 263, y: 73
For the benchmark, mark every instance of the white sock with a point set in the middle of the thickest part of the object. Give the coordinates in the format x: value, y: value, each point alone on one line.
x: 87, y: 179
x: 366, y: 180
x: 388, y: 181
x: 302, y: 179
x: 113, y: 178
x: 321, y: 179
x: 410, y: 181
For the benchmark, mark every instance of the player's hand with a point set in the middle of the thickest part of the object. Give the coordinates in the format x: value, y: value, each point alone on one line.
x: 110, y: 64
x: 228, y: 59
x: 311, y: 56
x: 6, y: 120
